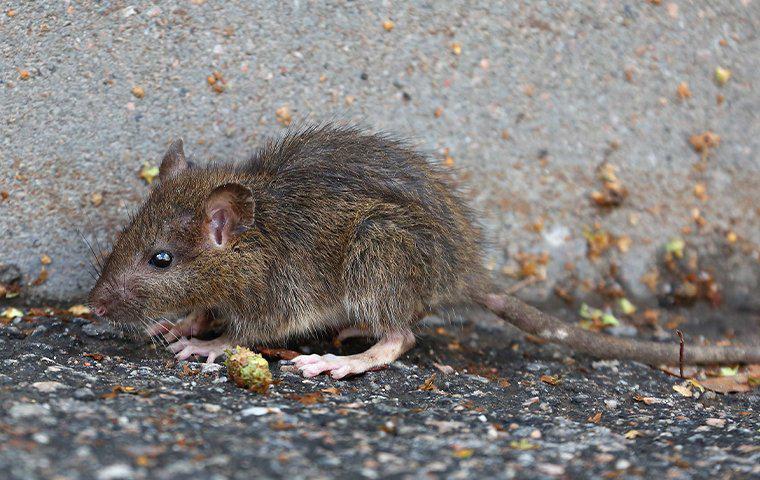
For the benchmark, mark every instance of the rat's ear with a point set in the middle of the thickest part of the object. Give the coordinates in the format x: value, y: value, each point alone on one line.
x: 173, y: 162
x: 229, y: 211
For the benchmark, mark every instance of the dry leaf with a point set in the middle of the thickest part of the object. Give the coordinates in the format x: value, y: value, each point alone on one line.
x: 429, y: 384
x: 11, y: 312
x: 631, y: 434
x: 722, y: 75
x: 463, y: 452
x: 683, y: 390
x: 550, y: 379
x: 308, y: 398
x: 148, y: 173
x: 283, y: 116
x: 647, y: 400
x: 683, y: 91
x: 78, y: 310
x: 704, y: 141
x: 596, y: 418
x: 522, y: 444
x: 726, y: 384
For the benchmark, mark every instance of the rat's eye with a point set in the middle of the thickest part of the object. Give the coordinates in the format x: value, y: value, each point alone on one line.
x: 161, y: 259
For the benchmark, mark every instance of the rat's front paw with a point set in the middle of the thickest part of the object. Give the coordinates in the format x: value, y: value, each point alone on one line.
x: 184, y: 348
x: 195, y: 323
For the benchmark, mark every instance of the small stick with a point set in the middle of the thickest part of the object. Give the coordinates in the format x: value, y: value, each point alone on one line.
x: 521, y: 284
x: 680, y: 353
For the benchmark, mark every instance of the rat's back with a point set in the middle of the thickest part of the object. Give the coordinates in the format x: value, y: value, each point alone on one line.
x: 369, y: 222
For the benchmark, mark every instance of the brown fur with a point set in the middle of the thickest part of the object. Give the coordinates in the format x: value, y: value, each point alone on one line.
x: 348, y: 229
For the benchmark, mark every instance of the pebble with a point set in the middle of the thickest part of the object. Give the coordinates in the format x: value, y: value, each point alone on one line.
x: 117, y: 471
x: 716, y: 422
x: 39, y: 330
x: 24, y: 410
x: 84, y: 394
x: 48, y: 387
x: 12, y: 331
x: 100, y: 330
x: 259, y: 411
x: 211, y: 367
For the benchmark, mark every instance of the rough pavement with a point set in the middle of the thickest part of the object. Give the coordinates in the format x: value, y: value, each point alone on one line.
x: 79, y: 402
x: 524, y: 99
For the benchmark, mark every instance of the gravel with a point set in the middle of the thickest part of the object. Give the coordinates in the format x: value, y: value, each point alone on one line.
x: 136, y: 414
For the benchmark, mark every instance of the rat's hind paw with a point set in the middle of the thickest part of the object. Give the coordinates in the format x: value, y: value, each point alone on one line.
x: 184, y: 348
x: 389, y: 348
x: 337, y: 366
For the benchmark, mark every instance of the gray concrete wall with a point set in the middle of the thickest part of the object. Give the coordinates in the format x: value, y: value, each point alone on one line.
x: 530, y: 98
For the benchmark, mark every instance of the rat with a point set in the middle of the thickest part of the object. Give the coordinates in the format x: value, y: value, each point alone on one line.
x: 329, y: 227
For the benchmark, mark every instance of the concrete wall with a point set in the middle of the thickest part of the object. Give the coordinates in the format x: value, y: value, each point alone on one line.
x: 524, y: 99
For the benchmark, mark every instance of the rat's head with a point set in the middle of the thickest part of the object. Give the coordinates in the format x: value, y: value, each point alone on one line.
x: 180, y: 249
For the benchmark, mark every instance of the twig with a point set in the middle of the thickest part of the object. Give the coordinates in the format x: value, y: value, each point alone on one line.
x: 521, y: 284
x: 680, y: 353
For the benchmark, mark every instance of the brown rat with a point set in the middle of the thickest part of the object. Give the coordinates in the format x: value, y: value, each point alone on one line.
x: 329, y: 227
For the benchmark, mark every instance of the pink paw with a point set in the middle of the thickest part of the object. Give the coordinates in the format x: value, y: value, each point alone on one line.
x: 184, y: 348
x: 337, y: 366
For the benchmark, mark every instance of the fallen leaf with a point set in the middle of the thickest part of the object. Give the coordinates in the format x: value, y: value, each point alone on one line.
x: 281, y: 353
x: 609, y: 319
x: 683, y: 91
x: 11, y: 313
x: 308, y: 398
x: 117, y: 389
x: 596, y: 418
x: 725, y: 385
x: 98, y: 357
x: 631, y: 434
x: 683, y: 390
x: 550, y: 379
x: 429, y: 384
x: 626, y: 306
x: 647, y: 400
x: 463, y: 452
x: 148, y: 173
x: 522, y: 444
x: 675, y: 246
x: 722, y: 75
x: 41, y: 278
x: 96, y: 198
x: 283, y: 116
x: 728, y: 371
x: 46, y: 260
x: 78, y: 310
x: 704, y: 141
x: 330, y: 391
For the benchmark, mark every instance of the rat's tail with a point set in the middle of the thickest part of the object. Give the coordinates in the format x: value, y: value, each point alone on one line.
x: 542, y: 325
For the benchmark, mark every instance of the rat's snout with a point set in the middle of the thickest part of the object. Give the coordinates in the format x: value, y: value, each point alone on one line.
x: 102, y: 306
x: 107, y: 302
